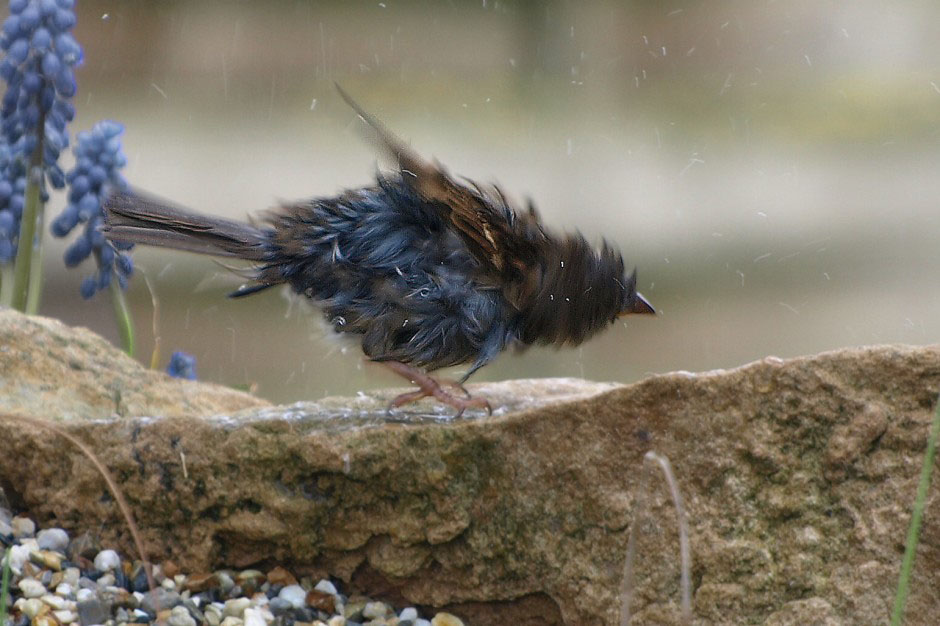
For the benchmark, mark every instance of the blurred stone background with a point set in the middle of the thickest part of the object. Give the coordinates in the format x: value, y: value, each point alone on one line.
x: 769, y: 167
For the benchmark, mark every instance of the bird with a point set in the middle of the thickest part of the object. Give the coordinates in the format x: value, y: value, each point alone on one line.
x: 426, y: 270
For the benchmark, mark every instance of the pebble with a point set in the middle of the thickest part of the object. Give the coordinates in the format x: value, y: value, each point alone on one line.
x: 254, y: 617
x: 375, y: 610
x: 46, y: 558
x: 107, y: 560
x: 279, y: 606
x: 213, y: 614
x: 326, y: 587
x: 236, y: 607
x: 30, y: 606
x: 53, y: 539
x: 70, y: 576
x: 44, y: 620
x: 165, y: 599
x: 294, y: 594
x: 31, y: 588
x: 22, y: 527
x: 321, y: 601
x: 84, y: 594
x: 92, y: 585
x: 57, y: 603
x: 93, y: 610
x: 180, y: 616
x: 446, y: 619
x: 226, y: 584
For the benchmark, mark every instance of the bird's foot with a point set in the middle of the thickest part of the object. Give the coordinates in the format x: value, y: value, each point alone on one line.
x: 428, y: 387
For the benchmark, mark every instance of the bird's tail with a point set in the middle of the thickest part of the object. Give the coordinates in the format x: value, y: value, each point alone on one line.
x: 133, y: 217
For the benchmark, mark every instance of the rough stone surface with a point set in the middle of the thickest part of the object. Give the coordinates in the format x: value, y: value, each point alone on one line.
x: 50, y: 370
x: 798, y: 477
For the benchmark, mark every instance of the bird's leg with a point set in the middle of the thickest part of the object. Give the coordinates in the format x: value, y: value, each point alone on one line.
x: 429, y: 387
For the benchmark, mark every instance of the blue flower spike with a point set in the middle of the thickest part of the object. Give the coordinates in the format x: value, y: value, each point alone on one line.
x: 98, y: 161
x: 38, y: 65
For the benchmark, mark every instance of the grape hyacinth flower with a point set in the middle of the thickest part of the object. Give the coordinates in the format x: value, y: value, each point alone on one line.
x: 40, y: 55
x: 182, y: 365
x: 98, y: 160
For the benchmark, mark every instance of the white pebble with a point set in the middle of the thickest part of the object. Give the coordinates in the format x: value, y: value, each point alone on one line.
x: 213, y: 614
x: 236, y: 607
x: 31, y: 588
x: 71, y: 576
x: 107, y: 560
x: 408, y: 613
x: 65, y: 617
x: 29, y: 607
x: 57, y: 603
x: 231, y: 620
x: 373, y: 610
x: 84, y: 594
x: 53, y: 539
x: 18, y: 557
x: 64, y: 590
x: 179, y: 616
x: 254, y: 617
x: 294, y: 594
x: 326, y: 587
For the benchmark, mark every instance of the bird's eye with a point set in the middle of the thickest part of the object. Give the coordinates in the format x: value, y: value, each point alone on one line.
x: 424, y: 292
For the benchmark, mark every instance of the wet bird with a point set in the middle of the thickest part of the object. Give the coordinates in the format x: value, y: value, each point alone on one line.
x: 426, y: 270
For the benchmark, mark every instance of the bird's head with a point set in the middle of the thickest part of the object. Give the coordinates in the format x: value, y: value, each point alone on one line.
x: 580, y: 291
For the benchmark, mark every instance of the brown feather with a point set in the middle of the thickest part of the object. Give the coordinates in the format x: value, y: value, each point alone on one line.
x: 479, y: 221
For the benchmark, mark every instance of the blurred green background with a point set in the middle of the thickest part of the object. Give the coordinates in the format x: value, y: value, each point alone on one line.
x: 771, y: 168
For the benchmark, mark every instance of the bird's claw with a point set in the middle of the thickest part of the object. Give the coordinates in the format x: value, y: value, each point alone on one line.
x: 442, y: 396
x: 428, y: 387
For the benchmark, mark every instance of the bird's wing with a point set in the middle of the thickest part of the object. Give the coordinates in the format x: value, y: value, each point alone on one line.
x: 487, y: 227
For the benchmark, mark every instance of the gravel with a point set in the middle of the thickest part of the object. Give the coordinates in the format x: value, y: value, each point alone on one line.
x: 57, y: 580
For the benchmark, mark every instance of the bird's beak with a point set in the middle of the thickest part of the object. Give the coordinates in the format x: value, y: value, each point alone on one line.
x: 641, y: 306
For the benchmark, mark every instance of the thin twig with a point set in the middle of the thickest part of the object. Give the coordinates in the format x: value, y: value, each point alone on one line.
x: 685, y: 553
